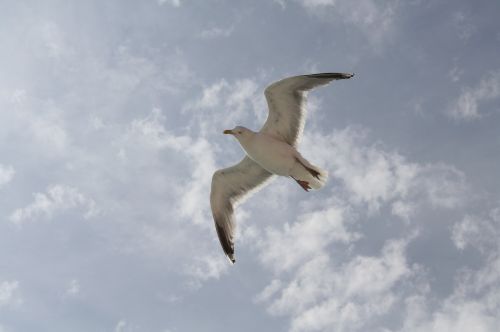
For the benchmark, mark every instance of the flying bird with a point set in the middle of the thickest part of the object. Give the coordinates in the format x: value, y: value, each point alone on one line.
x: 271, y: 151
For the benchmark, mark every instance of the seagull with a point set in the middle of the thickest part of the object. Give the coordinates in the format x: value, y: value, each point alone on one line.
x: 269, y: 152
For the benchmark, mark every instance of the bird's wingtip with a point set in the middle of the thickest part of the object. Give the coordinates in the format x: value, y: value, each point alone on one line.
x: 335, y: 76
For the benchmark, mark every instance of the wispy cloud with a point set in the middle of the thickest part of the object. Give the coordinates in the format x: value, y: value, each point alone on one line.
x: 73, y: 288
x: 216, y: 32
x: 375, y: 176
x: 199, y: 155
x: 6, y: 174
x: 311, y: 234
x: 121, y: 326
x: 58, y: 198
x: 463, y: 24
x: 475, y: 300
x: 173, y: 3
x: 203, y: 267
x: 190, y: 191
x: 375, y: 19
x: 53, y: 39
x: 482, y: 233
x: 9, y: 293
x: 230, y: 103
x: 455, y: 74
x: 475, y: 297
x: 469, y: 104
x: 44, y: 128
x: 325, y: 295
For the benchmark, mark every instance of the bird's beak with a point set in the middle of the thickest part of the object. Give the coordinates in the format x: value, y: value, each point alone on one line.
x: 228, y: 132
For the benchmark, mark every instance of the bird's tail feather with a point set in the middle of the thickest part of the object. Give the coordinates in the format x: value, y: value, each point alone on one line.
x: 318, y: 178
x: 314, y: 176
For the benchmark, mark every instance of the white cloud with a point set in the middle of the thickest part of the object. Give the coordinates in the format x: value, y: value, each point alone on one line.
x: 473, y: 305
x: 442, y: 185
x: 6, y: 174
x: 374, y: 176
x: 204, y: 266
x: 216, y: 32
x: 120, y: 326
x: 199, y: 159
x: 190, y: 192
x: 210, y: 96
x: 194, y: 192
x: 18, y: 96
x: 170, y: 74
x: 324, y: 294
x: 36, y: 123
x: 45, y: 130
x: 73, y: 288
x: 57, y: 199
x: 403, y: 209
x: 51, y: 40
x: 312, y: 233
x: 269, y: 291
x: 151, y: 130
x: 97, y: 123
x: 455, y: 74
x: 475, y: 301
x: 173, y: 3
x: 468, y: 105
x: 459, y: 315
x: 464, y: 230
x: 478, y: 232
x: 9, y: 293
x: 375, y: 19
x: 463, y: 25
x: 230, y: 103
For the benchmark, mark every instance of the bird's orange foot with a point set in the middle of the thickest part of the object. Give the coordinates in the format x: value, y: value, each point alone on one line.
x: 304, y: 184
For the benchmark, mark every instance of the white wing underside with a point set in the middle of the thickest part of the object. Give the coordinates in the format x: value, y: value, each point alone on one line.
x: 287, y: 100
x: 231, y: 186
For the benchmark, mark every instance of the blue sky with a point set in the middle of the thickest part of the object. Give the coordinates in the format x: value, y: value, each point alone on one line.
x: 111, y: 120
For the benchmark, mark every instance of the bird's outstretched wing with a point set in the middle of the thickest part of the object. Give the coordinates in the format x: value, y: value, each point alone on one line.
x: 229, y: 186
x: 286, y: 100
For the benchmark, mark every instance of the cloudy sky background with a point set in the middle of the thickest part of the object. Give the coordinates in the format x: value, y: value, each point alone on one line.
x: 111, y: 116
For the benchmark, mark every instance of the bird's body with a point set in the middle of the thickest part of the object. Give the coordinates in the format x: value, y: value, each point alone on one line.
x: 271, y: 151
x: 278, y: 157
x: 272, y: 154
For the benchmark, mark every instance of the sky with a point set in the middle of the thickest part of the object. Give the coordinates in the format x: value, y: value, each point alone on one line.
x: 111, y: 120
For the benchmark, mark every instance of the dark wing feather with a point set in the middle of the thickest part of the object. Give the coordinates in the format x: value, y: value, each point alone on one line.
x: 229, y: 187
x: 287, y: 99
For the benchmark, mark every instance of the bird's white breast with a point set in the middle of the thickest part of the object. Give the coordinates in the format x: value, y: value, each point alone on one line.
x: 273, y: 155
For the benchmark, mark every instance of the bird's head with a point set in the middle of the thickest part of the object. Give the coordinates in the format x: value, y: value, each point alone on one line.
x: 239, y: 132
